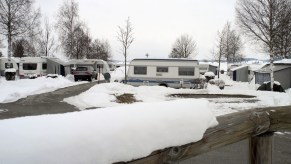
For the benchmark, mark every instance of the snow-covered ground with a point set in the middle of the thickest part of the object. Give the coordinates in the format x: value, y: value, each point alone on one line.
x: 104, y: 135
x: 117, y: 132
x: 104, y: 95
x: 14, y: 90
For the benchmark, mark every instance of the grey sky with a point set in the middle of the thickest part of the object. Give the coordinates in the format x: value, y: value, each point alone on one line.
x: 157, y: 23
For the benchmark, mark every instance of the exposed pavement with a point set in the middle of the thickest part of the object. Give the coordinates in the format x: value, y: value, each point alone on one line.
x: 46, y: 103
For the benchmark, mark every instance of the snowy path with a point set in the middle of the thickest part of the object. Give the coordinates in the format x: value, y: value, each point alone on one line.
x: 46, y: 103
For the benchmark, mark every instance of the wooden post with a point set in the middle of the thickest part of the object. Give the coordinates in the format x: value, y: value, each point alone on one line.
x: 261, y: 148
x: 257, y: 124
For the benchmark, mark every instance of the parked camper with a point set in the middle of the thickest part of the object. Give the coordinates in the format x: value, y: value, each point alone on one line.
x: 99, y: 65
x: 31, y: 67
x: 112, y: 66
x: 4, y: 64
x: 203, y: 68
x: 176, y: 73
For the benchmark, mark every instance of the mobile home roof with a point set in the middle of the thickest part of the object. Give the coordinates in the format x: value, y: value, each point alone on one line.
x: 170, y: 59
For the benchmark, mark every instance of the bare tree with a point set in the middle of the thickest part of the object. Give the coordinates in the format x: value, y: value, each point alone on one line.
x: 18, y: 48
x: 261, y: 20
x: 283, y: 39
x: 232, y: 43
x: 219, y: 49
x: 81, y: 42
x: 100, y: 50
x: 47, y: 43
x: 125, y: 36
x: 33, y: 38
x: 16, y: 18
x: 67, y: 25
x: 184, y: 47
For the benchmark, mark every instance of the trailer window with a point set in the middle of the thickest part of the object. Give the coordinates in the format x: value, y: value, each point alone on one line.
x: 7, y: 65
x: 140, y: 70
x: 29, y: 66
x: 186, y: 71
x: 44, y: 66
x: 162, y: 69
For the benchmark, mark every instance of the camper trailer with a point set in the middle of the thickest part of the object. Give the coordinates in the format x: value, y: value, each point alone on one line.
x: 175, y: 73
x: 32, y: 67
x: 4, y: 64
x: 98, y: 64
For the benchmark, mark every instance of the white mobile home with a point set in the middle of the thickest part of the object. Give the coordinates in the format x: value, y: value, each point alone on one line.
x: 14, y: 62
x: 31, y: 67
x: 176, y: 73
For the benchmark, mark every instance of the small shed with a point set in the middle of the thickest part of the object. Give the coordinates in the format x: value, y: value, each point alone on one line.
x: 282, y: 74
x: 240, y: 73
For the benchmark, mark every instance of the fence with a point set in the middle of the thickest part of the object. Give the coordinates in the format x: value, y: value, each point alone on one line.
x: 258, y: 125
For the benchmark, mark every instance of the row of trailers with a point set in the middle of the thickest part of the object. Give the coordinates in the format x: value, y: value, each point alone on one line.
x: 31, y: 67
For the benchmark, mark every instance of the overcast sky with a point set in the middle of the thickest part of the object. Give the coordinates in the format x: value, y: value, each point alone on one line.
x: 157, y: 23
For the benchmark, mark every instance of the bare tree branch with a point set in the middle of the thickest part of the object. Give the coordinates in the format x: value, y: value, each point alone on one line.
x: 125, y: 37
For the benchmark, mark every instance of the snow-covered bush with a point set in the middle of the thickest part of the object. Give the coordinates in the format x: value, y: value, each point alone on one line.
x: 218, y: 82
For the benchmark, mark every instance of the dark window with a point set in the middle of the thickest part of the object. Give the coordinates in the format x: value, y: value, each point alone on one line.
x: 44, y: 66
x: 162, y: 69
x: 99, y: 65
x: 138, y: 70
x: 81, y: 68
x: 6, y: 65
x: 249, y: 72
x: 29, y: 66
x: 186, y: 71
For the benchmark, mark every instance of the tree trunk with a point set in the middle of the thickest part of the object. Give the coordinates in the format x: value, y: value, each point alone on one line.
x: 9, y: 48
x: 125, y: 55
x: 272, y: 69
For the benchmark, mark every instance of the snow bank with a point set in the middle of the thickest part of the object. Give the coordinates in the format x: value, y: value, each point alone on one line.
x: 103, y: 95
x: 13, y: 90
x: 118, y: 74
x: 104, y: 135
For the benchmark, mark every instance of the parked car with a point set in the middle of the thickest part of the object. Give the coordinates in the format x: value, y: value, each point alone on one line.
x: 85, y: 73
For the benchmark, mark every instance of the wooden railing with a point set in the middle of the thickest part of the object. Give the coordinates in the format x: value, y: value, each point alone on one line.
x: 258, y: 125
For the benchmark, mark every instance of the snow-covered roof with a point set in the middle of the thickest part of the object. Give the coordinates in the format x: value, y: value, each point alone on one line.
x: 277, y: 67
x: 237, y: 68
x: 10, y: 70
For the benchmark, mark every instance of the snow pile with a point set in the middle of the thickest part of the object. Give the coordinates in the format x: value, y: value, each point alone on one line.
x: 209, y: 74
x: 104, y: 135
x: 118, y: 74
x: 14, y: 90
x: 103, y: 95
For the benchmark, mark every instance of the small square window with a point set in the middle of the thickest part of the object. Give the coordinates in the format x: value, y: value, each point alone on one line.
x: 162, y: 69
x: 8, y: 64
x: 186, y: 71
x: 139, y: 70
